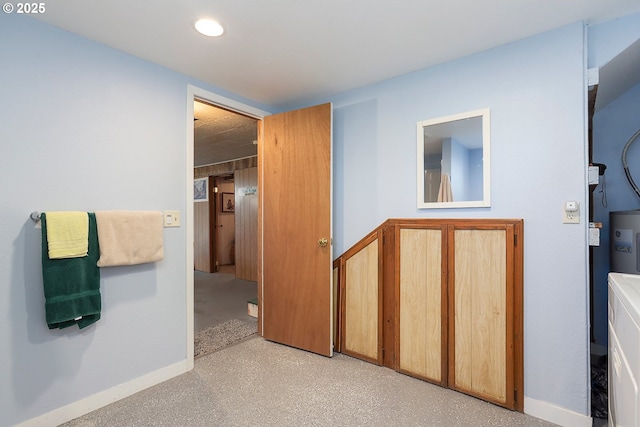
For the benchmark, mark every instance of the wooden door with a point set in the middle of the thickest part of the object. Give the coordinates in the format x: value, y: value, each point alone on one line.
x: 295, y: 219
x: 481, y: 356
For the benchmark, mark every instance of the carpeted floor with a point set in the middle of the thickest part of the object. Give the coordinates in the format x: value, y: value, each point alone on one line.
x: 260, y: 383
x: 215, y: 337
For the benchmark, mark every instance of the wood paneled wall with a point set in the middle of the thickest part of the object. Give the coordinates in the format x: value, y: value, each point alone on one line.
x: 201, y: 249
x: 246, y: 180
x: 246, y: 257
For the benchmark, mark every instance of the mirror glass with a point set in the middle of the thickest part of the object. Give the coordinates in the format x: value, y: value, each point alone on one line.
x: 454, y: 161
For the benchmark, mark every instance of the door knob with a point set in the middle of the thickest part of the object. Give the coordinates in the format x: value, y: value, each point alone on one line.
x: 323, y: 242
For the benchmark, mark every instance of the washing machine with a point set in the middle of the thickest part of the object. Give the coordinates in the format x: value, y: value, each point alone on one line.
x: 624, y: 349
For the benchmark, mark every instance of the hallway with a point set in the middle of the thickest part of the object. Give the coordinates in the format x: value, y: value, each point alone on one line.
x: 219, y: 297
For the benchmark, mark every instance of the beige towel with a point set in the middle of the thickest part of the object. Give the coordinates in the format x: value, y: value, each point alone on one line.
x: 445, y: 194
x: 129, y: 237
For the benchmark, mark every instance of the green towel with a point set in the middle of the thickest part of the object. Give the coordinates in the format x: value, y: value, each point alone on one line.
x: 72, y: 285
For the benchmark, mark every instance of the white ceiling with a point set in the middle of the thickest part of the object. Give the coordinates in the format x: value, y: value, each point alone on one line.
x: 283, y: 52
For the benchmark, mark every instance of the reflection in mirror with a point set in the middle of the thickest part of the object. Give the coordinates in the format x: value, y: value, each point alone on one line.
x: 454, y: 161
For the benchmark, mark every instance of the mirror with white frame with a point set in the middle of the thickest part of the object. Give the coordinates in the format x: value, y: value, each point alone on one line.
x: 454, y: 161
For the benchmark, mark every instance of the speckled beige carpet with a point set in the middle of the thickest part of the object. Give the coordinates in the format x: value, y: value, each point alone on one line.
x: 215, y: 337
x: 261, y: 383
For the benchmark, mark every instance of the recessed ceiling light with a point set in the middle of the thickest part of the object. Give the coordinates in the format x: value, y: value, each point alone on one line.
x: 209, y: 27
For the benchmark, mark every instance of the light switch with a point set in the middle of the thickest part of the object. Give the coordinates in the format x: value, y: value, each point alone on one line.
x: 172, y: 218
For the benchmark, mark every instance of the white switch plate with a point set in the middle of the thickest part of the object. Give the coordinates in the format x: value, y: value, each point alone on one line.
x: 571, y: 212
x: 172, y: 218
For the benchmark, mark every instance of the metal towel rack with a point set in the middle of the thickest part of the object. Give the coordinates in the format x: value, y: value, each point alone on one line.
x: 35, y: 216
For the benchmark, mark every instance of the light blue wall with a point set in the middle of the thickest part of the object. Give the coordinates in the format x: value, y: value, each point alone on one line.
x: 459, y: 171
x: 536, y: 90
x: 85, y: 127
x: 447, y: 156
x: 475, y: 174
x: 612, y: 128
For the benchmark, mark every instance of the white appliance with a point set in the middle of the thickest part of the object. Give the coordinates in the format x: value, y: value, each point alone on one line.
x: 624, y: 350
x: 625, y: 241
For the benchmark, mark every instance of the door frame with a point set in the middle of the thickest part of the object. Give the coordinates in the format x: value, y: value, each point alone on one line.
x: 196, y: 93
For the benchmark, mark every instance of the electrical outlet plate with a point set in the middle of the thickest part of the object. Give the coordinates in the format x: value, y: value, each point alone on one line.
x: 172, y: 218
x: 571, y: 212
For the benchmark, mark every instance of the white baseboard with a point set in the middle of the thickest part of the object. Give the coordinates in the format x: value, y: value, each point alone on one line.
x: 84, y: 406
x: 555, y: 414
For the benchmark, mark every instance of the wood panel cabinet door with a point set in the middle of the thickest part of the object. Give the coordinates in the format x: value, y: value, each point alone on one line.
x: 482, y: 306
x: 362, y: 303
x: 422, y: 322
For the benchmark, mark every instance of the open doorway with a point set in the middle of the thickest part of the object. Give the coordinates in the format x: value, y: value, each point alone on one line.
x: 225, y: 220
x: 612, y: 119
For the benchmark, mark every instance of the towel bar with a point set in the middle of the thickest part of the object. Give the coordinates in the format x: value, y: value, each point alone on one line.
x: 35, y: 216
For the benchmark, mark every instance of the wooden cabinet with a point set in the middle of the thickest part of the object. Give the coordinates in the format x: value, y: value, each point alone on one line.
x: 449, y: 306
